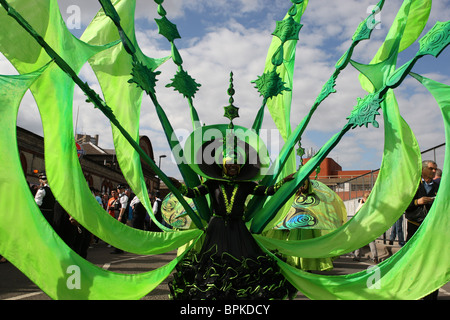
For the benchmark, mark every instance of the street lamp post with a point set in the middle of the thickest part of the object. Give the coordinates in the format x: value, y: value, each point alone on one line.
x: 161, y: 156
x: 159, y: 166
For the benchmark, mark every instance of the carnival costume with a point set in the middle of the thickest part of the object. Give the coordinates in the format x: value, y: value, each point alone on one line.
x: 48, y: 58
x: 230, y: 264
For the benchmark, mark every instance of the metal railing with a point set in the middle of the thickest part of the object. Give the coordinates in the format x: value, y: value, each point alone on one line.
x: 352, y: 190
x: 355, y: 187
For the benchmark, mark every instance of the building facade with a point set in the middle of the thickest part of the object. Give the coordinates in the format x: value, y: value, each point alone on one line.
x: 348, y: 184
x: 100, y: 167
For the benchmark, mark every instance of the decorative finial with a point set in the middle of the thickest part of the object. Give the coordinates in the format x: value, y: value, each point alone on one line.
x: 231, y: 111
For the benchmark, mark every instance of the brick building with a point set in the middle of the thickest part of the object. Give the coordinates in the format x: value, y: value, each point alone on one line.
x: 100, y: 166
x: 348, y: 184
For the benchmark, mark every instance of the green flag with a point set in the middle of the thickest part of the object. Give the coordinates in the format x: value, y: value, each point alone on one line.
x: 419, y: 268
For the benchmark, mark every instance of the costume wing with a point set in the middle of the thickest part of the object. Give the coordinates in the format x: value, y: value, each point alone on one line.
x: 322, y: 209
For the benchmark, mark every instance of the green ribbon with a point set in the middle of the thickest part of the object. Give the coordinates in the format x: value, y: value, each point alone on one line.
x: 419, y: 268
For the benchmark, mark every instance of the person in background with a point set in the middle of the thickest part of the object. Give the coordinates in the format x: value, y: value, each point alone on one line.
x: 124, y: 203
x: 437, y: 177
x: 97, y: 196
x: 129, y: 210
x: 421, y: 204
x: 44, y: 199
x: 423, y: 199
x: 105, y: 200
x: 372, y: 245
x: 157, y: 212
x: 397, y: 231
x: 139, y: 213
x: 123, y: 210
x: 112, y: 204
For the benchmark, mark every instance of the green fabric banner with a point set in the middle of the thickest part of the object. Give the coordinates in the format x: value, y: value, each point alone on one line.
x: 419, y: 268
x: 404, y: 24
x: 53, y: 92
x: 396, y: 184
x: 113, y: 68
x: 406, y: 28
x: 31, y: 244
x: 280, y: 105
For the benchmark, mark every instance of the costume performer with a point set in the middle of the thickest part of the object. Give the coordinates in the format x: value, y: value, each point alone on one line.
x: 44, y: 199
x: 51, y: 78
x: 230, y: 264
x: 316, y: 211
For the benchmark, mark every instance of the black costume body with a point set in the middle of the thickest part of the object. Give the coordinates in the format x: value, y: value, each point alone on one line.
x: 230, y: 264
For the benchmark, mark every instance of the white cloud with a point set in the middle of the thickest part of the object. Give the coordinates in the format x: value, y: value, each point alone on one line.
x: 228, y: 39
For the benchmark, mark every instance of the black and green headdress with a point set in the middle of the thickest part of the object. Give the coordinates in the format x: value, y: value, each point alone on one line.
x: 208, y: 148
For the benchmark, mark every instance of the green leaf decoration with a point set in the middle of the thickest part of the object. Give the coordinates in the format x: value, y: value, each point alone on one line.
x: 327, y: 89
x: 176, y: 57
x: 161, y: 11
x: 435, y: 41
x: 288, y: 29
x: 231, y: 112
x: 278, y: 56
x: 167, y: 29
x: 184, y: 84
x: 270, y: 84
x: 300, y: 150
x: 366, y: 111
x: 144, y: 77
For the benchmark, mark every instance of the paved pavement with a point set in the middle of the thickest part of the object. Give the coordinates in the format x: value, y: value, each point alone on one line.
x: 15, y: 286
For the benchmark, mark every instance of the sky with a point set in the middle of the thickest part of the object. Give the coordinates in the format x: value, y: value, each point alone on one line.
x: 221, y: 36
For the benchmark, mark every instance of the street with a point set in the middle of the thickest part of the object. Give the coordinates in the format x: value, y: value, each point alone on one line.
x: 15, y: 286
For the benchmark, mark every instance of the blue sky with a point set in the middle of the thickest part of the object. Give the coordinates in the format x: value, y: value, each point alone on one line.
x: 221, y: 36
